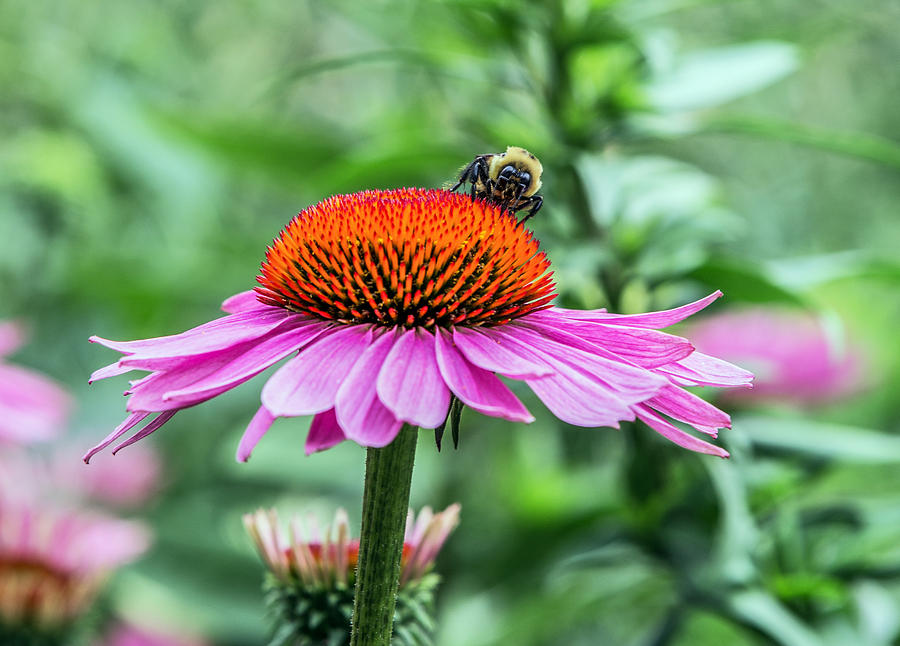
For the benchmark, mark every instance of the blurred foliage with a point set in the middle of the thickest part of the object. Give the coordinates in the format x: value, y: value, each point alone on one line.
x: 151, y: 150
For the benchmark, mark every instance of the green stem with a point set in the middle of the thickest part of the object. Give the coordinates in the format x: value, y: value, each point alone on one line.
x: 385, y: 505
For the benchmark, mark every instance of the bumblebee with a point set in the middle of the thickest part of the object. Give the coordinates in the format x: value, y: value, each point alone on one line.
x: 509, y: 179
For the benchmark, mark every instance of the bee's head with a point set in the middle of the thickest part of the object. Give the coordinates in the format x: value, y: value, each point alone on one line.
x: 517, y: 167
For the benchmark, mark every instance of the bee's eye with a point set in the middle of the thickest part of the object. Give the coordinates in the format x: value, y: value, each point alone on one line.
x: 507, y: 171
x: 525, y: 177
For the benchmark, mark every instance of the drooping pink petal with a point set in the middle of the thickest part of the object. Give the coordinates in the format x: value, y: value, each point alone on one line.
x: 243, y: 302
x: 572, y: 394
x: 494, y: 354
x: 195, y: 379
x: 324, y: 432
x: 258, y: 427
x: 555, y: 346
x: 219, y: 334
x: 687, y: 407
x: 410, y: 383
x: 476, y: 387
x: 700, y: 369
x: 654, y: 320
x: 130, y: 422
x: 152, y: 427
x: 571, y: 402
x: 361, y: 415
x: 262, y: 354
x: 676, y: 435
x: 308, y: 383
x: 112, y: 370
x: 644, y: 347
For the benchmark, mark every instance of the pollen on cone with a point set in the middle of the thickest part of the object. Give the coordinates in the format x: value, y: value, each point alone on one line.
x: 407, y: 257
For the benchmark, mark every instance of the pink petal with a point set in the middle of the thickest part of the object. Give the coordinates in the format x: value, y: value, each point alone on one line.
x: 308, y: 383
x: 112, y: 370
x: 410, y: 383
x: 262, y: 354
x: 194, y: 379
x: 703, y: 370
x: 641, y: 346
x: 359, y: 412
x: 495, y: 354
x: 216, y: 335
x: 676, y: 435
x: 661, y: 319
x: 152, y: 427
x: 477, y: 388
x: 130, y: 422
x: 258, y: 427
x: 324, y: 432
x: 148, y: 394
x: 555, y: 347
x: 571, y: 402
x: 573, y: 397
x: 687, y: 407
x: 243, y: 302
x: 574, y: 393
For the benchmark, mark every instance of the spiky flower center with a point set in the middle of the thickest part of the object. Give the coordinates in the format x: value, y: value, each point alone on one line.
x: 37, y: 591
x: 408, y: 257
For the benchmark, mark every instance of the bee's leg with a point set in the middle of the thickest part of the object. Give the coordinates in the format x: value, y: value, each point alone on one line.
x: 482, y: 171
x: 488, y: 185
x: 518, y: 202
x: 480, y: 175
x: 466, y: 175
x: 536, y: 203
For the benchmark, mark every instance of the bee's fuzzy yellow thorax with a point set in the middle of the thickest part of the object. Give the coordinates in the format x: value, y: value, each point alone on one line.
x: 521, y: 159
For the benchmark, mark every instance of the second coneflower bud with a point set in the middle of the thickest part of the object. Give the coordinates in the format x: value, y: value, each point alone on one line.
x: 309, y: 587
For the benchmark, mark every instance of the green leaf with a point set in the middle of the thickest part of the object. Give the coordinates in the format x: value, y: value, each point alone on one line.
x: 744, y: 281
x: 853, y: 144
x: 738, y: 534
x: 812, y: 271
x: 844, y: 443
x: 879, y: 615
x: 282, y: 636
x: 763, y: 611
x: 711, y: 77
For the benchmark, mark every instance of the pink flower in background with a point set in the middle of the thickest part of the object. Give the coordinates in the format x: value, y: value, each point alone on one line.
x: 33, y: 408
x: 790, y: 352
x: 25, y: 478
x: 328, y: 559
x: 393, y: 303
x: 130, y: 635
x: 57, y: 475
x: 117, y: 482
x: 53, y: 561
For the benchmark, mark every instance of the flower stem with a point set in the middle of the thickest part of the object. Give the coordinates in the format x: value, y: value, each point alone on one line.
x: 385, y: 505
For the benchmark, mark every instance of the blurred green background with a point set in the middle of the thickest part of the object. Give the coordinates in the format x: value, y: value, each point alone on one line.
x: 150, y: 151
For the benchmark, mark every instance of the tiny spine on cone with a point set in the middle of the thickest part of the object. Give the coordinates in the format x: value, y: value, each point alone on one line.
x: 385, y: 506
